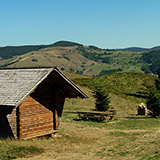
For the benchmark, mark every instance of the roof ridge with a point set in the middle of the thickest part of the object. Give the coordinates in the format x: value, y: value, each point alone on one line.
x: 10, y: 68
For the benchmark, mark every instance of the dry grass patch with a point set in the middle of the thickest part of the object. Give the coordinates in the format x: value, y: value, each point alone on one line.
x: 125, y: 139
x: 11, y: 149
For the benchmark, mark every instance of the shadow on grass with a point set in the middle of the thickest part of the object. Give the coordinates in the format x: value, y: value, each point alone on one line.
x: 138, y: 95
x: 76, y: 119
x: 135, y: 116
x: 89, y: 120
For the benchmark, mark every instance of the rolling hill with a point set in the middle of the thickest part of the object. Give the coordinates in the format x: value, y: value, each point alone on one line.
x: 126, y: 90
x: 10, y: 51
x: 77, y: 58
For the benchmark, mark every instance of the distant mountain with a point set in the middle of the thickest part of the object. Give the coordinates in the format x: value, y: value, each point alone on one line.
x: 134, y: 49
x: 10, y: 51
x: 156, y: 48
x: 139, y: 49
x: 65, y: 44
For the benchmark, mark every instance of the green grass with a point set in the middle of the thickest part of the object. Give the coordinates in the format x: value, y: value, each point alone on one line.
x: 135, y: 137
x: 130, y: 123
x: 12, y: 151
x: 129, y: 85
x: 127, y: 61
x: 127, y: 136
x: 152, y: 156
x: 128, y: 67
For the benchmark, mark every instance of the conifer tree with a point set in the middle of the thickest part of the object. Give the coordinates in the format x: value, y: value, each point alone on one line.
x: 102, y: 99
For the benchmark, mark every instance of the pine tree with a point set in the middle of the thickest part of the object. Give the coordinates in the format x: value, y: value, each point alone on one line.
x: 102, y: 99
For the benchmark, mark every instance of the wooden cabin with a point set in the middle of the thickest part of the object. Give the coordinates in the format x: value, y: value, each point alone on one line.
x: 31, y: 101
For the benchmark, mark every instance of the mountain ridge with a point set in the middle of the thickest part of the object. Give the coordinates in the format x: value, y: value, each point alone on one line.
x: 10, y: 51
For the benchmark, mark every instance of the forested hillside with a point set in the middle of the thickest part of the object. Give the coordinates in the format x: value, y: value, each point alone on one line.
x: 153, y: 59
x: 10, y: 51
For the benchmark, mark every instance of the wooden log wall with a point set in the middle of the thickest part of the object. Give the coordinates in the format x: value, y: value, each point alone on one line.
x: 36, y: 112
x: 35, y: 119
x: 40, y: 113
x: 48, y: 94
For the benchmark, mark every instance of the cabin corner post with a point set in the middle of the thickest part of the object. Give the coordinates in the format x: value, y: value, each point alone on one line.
x: 19, y: 123
x: 58, y: 109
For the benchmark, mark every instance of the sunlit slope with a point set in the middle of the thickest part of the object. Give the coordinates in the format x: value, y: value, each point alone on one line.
x: 126, y: 90
x: 65, y: 58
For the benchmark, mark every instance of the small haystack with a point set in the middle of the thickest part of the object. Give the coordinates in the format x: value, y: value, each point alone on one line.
x: 142, y: 109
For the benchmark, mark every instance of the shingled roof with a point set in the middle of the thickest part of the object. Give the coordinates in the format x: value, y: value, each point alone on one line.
x: 17, y: 84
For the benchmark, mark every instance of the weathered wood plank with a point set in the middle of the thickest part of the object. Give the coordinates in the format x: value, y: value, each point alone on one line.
x: 38, y: 129
x: 37, y: 117
x: 36, y: 112
x: 39, y: 134
x: 31, y: 125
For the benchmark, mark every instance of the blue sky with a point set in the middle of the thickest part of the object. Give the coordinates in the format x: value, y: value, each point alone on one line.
x: 103, y: 23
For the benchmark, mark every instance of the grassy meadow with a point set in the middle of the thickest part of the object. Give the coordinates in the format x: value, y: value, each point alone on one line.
x: 127, y: 137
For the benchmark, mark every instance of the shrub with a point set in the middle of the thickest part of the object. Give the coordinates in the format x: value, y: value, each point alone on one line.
x: 71, y: 70
x: 153, y: 102
x: 34, y: 60
x: 79, y: 72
